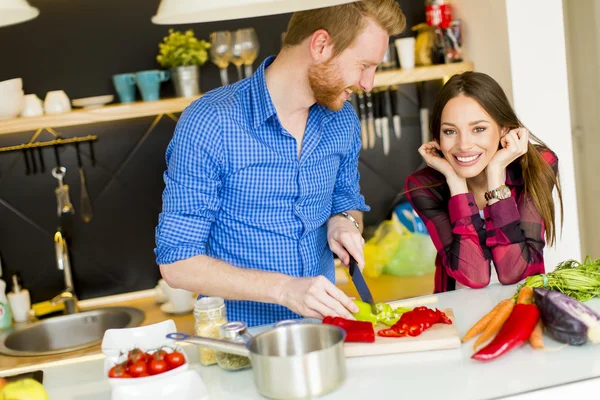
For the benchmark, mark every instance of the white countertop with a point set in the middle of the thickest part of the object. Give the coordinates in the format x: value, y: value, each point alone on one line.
x: 444, y: 374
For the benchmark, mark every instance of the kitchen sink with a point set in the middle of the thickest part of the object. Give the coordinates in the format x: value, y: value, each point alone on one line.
x: 67, y: 333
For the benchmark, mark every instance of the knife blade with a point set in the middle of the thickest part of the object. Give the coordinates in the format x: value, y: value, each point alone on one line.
x: 361, y: 285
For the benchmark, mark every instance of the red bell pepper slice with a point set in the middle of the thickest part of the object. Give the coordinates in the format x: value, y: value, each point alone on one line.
x: 356, y: 331
x: 413, y: 323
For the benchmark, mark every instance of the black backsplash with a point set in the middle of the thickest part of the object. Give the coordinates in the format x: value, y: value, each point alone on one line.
x: 77, y: 46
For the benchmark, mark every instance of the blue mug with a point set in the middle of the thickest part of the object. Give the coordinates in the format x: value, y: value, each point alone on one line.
x: 149, y: 83
x: 125, y: 87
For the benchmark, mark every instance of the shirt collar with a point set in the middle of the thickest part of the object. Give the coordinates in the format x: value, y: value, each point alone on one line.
x: 263, y: 104
x: 263, y: 107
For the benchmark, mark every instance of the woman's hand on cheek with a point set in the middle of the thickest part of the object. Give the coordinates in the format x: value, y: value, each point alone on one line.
x: 514, y: 145
x: 431, y: 154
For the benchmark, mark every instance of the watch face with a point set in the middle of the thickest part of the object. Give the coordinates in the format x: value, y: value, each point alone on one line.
x: 505, y: 192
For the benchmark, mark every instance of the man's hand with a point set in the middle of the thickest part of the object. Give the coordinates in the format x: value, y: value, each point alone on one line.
x: 316, y: 297
x: 345, y: 240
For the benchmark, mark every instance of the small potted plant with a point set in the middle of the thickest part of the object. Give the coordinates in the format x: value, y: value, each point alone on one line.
x: 183, y: 54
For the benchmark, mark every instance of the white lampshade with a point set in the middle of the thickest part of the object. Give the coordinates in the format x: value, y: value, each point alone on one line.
x: 190, y: 11
x: 16, y: 11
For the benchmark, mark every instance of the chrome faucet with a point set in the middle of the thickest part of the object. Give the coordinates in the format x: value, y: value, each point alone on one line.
x: 68, y: 295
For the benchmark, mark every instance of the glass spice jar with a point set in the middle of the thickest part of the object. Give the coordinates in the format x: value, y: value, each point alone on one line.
x: 209, y: 315
x: 235, y: 332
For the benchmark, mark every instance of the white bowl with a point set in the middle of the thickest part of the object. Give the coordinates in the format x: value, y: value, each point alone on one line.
x: 117, y: 342
x: 11, y: 85
x: 11, y: 104
x: 185, y: 386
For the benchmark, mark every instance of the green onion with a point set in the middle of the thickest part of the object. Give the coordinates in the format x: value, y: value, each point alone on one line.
x: 580, y: 281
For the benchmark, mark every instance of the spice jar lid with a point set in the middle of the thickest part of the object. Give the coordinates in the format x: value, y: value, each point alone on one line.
x: 232, y: 330
x: 207, y: 304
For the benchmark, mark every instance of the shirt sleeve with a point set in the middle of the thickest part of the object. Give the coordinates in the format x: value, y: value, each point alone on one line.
x: 457, y: 232
x: 190, y: 200
x: 346, y: 193
x: 516, y: 234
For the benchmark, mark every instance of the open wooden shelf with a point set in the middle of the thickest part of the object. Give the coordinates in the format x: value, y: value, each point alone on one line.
x: 174, y: 105
x: 103, y: 114
x: 420, y: 74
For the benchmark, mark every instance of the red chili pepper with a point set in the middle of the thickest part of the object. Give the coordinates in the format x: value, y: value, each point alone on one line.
x: 356, y: 331
x: 514, y: 333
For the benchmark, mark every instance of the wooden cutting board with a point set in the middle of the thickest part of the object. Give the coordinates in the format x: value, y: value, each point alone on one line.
x: 437, y: 337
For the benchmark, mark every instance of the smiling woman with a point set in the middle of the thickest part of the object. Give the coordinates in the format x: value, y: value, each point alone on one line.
x: 486, y: 195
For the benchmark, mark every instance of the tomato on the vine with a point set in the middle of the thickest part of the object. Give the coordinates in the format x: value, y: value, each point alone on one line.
x: 138, y: 369
x: 118, y: 371
x: 175, y: 359
x: 157, y: 367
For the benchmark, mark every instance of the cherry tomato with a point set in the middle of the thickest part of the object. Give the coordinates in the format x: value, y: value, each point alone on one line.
x: 158, y: 355
x: 118, y: 371
x: 175, y: 359
x: 157, y: 367
x: 137, y: 355
x: 138, y: 368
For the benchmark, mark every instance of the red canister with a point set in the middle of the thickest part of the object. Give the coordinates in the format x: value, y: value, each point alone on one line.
x: 438, y: 13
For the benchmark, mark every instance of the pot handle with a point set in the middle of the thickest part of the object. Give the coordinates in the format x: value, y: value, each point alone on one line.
x: 215, y: 344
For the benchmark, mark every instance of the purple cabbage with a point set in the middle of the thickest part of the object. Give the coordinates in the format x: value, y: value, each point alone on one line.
x: 567, y: 320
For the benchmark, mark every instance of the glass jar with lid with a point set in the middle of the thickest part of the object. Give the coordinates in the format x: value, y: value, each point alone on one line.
x: 209, y: 315
x: 235, y: 332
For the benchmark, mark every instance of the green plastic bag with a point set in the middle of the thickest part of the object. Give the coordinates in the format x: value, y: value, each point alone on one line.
x: 380, y: 249
x: 415, y: 255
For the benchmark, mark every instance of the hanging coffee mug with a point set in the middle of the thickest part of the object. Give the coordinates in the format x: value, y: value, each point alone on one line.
x: 149, y: 83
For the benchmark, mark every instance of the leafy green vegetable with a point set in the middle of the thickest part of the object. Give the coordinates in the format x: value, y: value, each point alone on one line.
x: 580, y: 281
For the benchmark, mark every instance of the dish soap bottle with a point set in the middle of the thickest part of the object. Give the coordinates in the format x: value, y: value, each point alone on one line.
x: 5, y: 314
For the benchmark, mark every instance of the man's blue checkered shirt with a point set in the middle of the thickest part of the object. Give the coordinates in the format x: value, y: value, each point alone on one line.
x: 236, y: 190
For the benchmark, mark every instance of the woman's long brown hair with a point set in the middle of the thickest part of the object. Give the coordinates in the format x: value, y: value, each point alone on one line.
x: 538, y: 175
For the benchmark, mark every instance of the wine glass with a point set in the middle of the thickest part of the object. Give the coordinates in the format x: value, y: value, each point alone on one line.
x: 220, y: 52
x: 236, y: 53
x: 250, y: 47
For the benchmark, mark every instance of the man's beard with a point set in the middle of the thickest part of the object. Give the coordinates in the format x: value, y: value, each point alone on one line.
x: 327, y: 85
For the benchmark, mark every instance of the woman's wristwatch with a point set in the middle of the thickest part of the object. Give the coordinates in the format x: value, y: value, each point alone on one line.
x: 501, y: 193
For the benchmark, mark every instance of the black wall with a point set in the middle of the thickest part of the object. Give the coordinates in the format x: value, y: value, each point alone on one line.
x: 77, y: 46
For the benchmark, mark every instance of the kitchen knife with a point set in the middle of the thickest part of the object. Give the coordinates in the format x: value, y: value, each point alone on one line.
x: 370, y: 120
x: 363, y: 121
x: 361, y: 284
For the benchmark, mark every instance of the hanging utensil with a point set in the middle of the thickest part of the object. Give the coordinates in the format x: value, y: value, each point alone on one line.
x: 27, y: 167
x: 85, y: 204
x: 65, y: 209
x: 92, y: 156
x: 41, y: 157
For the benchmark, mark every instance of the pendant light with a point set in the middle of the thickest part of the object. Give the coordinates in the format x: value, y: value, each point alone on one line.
x: 16, y: 11
x: 193, y: 11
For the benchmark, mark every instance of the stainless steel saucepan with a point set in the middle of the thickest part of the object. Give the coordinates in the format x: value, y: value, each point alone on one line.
x: 289, y: 362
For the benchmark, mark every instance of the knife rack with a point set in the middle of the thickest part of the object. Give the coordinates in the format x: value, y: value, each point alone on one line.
x: 30, y: 149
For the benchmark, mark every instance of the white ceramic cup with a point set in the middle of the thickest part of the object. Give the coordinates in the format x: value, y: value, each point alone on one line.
x: 32, y: 106
x: 406, y: 52
x: 180, y: 299
x: 57, y: 102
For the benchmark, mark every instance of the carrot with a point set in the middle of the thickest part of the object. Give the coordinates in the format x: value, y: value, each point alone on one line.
x: 482, y: 323
x: 525, y: 295
x: 502, y: 314
x: 536, y: 340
